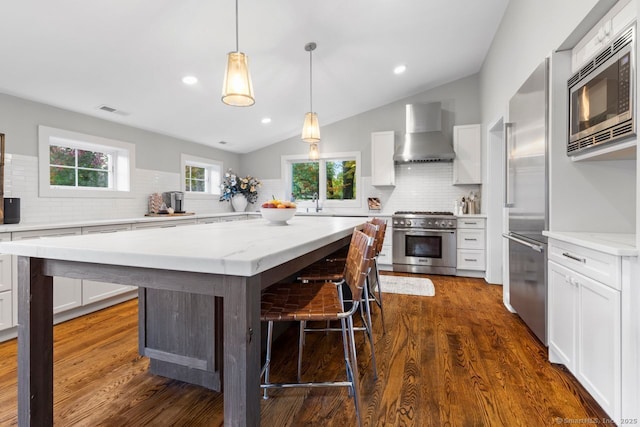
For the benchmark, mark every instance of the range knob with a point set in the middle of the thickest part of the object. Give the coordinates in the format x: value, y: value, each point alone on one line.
x: 429, y: 223
x: 408, y: 222
x: 436, y: 223
x: 451, y: 224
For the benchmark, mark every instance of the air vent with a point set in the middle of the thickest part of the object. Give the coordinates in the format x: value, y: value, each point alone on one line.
x: 623, y: 40
x: 603, y: 56
x: 112, y: 110
x: 618, y: 131
x: 586, y: 69
x: 573, y: 79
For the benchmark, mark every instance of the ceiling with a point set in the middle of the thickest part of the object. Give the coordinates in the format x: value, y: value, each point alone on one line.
x: 132, y: 55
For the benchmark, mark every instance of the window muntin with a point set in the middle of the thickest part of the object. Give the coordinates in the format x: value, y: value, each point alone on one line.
x: 196, y: 178
x: 72, y: 167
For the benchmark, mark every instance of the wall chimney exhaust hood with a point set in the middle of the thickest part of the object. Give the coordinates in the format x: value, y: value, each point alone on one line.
x: 423, y: 140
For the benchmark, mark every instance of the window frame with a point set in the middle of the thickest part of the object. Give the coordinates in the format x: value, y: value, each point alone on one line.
x: 209, y: 165
x: 287, y: 178
x: 121, y: 175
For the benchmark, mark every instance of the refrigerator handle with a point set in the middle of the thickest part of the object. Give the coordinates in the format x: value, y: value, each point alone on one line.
x: 508, y: 203
x: 536, y: 248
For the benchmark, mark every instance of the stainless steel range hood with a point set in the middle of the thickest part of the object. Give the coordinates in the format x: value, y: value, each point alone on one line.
x: 423, y: 140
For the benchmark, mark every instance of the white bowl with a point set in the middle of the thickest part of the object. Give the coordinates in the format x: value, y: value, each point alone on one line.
x: 278, y: 216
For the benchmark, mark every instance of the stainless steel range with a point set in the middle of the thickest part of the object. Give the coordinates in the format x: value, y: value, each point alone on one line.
x: 424, y: 242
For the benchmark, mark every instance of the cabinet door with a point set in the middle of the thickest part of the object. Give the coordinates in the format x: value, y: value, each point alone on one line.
x: 466, y: 165
x: 562, y: 316
x: 599, y: 343
x: 382, y: 166
x: 5, y: 272
x: 6, y: 317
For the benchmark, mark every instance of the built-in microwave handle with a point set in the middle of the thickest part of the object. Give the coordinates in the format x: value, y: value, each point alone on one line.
x: 508, y: 203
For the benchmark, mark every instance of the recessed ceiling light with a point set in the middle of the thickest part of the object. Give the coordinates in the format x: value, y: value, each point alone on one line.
x: 400, y: 69
x: 189, y: 80
x: 266, y: 120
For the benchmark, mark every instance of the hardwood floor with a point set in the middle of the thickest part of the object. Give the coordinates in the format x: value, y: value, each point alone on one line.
x: 459, y: 358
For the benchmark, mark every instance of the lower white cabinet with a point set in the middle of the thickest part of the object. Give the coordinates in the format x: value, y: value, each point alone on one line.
x: 470, y: 240
x: 6, y: 313
x: 584, y: 330
x: 93, y: 291
x: 67, y: 293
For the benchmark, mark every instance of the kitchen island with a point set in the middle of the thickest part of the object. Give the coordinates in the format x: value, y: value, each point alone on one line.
x: 230, y: 261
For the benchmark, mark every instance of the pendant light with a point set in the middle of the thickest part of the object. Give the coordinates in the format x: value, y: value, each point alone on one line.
x: 314, y: 153
x: 237, y: 89
x: 311, y: 127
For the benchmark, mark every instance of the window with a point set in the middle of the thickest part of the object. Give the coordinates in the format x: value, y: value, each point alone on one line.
x: 334, y: 178
x: 73, y: 164
x: 201, y: 177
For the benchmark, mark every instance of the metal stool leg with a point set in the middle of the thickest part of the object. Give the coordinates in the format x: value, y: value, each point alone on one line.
x: 379, y: 299
x: 267, y: 363
x: 369, y: 328
x: 303, y: 325
x: 355, y: 377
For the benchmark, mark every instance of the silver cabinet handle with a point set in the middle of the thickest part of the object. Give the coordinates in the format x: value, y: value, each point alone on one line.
x: 536, y: 248
x: 471, y: 259
x: 472, y: 240
x: 508, y: 130
x: 575, y: 258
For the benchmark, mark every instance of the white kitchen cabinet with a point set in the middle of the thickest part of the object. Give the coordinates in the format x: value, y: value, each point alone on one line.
x: 603, y: 33
x: 382, y: 166
x: 93, y: 291
x: 470, y: 240
x: 385, y: 258
x: 467, y: 146
x: 67, y: 293
x: 585, y: 322
x: 6, y: 312
x: 5, y: 266
x: 232, y: 218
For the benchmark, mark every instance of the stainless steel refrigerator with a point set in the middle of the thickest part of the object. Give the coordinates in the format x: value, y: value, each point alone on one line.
x: 526, y: 197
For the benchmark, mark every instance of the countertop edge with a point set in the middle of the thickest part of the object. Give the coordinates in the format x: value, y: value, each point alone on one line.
x: 611, y: 243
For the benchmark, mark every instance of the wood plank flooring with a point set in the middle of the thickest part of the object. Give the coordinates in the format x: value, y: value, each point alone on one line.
x: 459, y: 358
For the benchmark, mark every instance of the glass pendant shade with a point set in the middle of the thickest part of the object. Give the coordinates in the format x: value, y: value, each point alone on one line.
x: 311, y: 128
x: 314, y: 152
x: 237, y: 89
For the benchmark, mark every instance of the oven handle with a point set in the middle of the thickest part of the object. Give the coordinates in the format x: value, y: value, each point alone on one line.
x: 536, y: 248
x: 423, y: 230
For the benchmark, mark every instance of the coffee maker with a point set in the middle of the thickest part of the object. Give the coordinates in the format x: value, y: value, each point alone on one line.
x: 175, y: 200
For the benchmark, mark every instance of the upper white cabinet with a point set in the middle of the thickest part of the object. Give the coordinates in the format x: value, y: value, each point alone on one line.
x: 617, y: 19
x: 466, y: 165
x: 382, y: 167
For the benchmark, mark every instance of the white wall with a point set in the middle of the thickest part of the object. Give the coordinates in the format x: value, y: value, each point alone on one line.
x: 157, y: 164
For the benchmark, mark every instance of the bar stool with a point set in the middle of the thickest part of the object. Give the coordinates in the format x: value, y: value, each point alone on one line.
x: 322, y: 301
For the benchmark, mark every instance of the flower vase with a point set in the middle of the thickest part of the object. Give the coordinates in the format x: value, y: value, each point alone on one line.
x: 239, y: 202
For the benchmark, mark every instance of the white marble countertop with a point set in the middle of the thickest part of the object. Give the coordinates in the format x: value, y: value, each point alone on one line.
x: 620, y: 244
x: 242, y: 248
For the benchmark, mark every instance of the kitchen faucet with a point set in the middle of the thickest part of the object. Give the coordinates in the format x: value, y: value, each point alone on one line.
x: 317, y: 201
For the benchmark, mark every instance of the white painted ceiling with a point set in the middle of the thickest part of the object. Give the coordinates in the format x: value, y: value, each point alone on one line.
x: 132, y: 55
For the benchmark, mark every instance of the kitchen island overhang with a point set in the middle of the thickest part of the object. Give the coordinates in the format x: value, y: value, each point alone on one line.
x: 229, y: 262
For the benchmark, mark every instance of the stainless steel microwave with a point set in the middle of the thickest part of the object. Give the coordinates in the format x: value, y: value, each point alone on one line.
x: 601, y: 97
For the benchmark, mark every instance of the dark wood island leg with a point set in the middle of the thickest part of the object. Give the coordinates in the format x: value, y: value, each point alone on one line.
x: 241, y: 374
x: 35, y: 344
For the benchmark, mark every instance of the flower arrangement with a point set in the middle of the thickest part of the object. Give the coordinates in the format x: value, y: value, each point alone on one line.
x: 233, y: 184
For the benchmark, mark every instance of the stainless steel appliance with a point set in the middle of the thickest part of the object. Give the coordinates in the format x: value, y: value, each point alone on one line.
x: 601, y: 96
x: 424, y: 242
x: 526, y: 197
x: 174, y: 199
x: 423, y: 139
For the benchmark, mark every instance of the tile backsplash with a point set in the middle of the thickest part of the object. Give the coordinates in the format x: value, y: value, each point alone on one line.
x: 419, y: 186
x: 21, y: 180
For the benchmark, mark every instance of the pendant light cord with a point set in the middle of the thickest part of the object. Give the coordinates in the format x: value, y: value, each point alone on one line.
x: 311, y: 81
x: 237, y: 44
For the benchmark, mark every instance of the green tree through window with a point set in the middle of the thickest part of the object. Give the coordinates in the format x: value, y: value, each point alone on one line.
x: 338, y: 176
x: 73, y: 167
x: 305, y: 180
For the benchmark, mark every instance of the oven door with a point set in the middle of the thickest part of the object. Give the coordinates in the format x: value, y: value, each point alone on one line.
x: 424, y: 251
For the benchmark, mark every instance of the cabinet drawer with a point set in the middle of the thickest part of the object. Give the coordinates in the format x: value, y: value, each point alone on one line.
x: 162, y: 224
x: 471, y: 222
x: 605, y: 268
x: 56, y: 232
x: 471, y: 259
x: 106, y: 229
x: 470, y: 239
